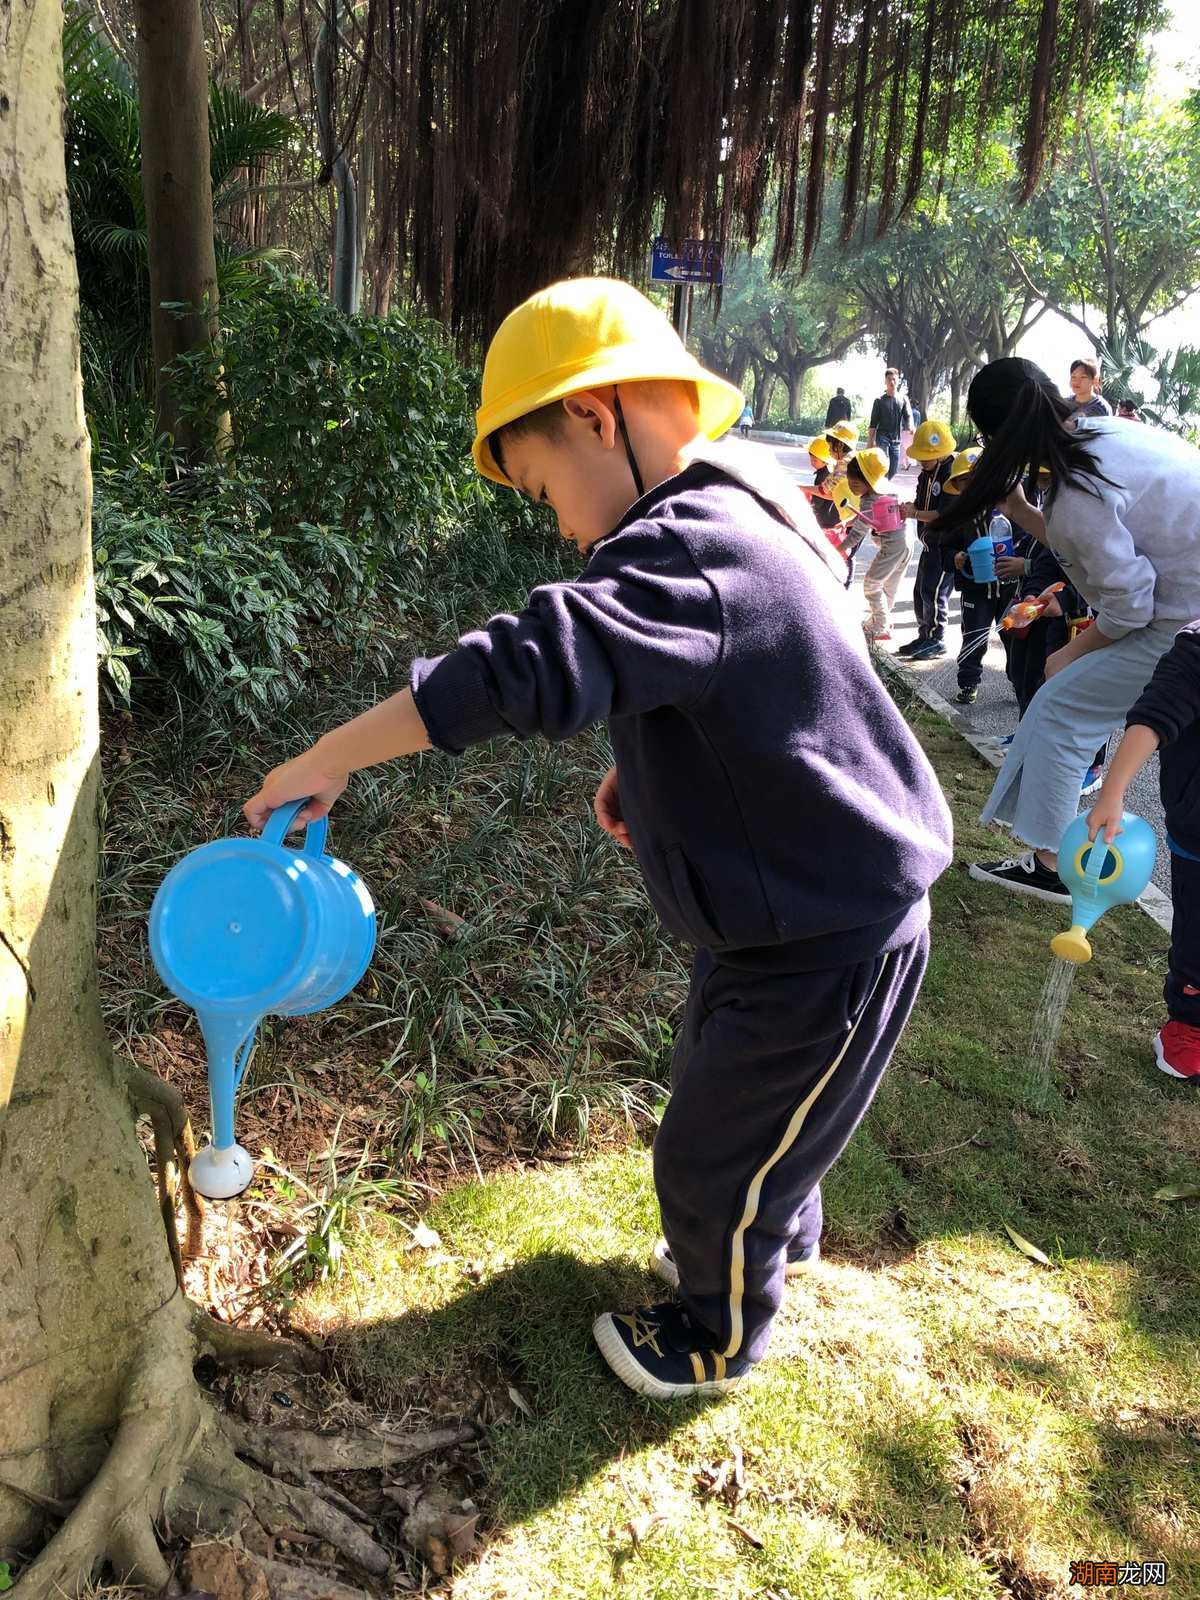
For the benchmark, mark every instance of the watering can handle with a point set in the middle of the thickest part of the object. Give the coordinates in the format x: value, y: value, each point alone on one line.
x: 281, y: 820
x: 1097, y: 859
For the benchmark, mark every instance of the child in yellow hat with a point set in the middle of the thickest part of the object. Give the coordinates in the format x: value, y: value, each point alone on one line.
x: 867, y: 477
x: 933, y: 446
x: 784, y: 819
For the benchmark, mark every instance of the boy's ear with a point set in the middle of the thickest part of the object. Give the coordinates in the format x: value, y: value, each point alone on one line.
x: 597, y: 414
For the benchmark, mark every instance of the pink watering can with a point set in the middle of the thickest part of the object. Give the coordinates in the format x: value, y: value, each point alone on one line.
x: 885, y: 514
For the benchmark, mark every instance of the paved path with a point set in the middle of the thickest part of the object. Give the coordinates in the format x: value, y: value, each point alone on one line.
x: 995, y: 712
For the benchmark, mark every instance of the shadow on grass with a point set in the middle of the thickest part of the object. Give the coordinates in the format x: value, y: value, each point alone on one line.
x: 528, y: 1326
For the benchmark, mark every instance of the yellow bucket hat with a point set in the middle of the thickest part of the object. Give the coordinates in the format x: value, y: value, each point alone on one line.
x: 581, y: 334
x: 932, y: 441
x: 872, y: 464
x: 820, y: 448
x: 843, y: 432
x: 960, y: 468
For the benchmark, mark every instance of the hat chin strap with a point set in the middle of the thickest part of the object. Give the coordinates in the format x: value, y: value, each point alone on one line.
x: 629, y: 455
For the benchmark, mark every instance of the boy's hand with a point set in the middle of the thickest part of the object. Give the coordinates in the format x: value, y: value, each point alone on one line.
x: 1010, y: 566
x: 608, y: 809
x: 908, y: 508
x: 1106, y: 813
x: 960, y: 559
x: 306, y: 778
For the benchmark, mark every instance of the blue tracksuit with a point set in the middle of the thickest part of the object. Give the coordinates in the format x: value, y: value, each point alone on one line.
x: 935, y: 565
x: 785, y: 822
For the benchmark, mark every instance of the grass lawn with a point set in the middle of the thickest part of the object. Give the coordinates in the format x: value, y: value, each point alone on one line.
x: 941, y: 1415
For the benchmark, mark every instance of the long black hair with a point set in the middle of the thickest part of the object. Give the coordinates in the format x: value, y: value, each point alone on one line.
x: 1020, y: 415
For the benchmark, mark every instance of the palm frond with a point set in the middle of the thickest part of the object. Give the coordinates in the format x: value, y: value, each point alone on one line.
x: 113, y: 239
x: 241, y: 132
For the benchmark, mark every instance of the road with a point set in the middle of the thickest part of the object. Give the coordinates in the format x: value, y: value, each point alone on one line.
x: 995, y: 712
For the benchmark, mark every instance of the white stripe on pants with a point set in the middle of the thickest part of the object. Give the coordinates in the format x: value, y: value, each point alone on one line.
x: 1037, y: 789
x: 884, y: 575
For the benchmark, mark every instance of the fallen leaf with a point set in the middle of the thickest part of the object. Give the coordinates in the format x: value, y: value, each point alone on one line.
x: 1178, y: 1191
x: 1028, y: 1249
x: 446, y: 922
x: 519, y: 1400
x: 462, y: 1531
x: 423, y: 1237
x: 750, y: 1538
x: 219, y: 1569
x: 405, y: 1495
x: 640, y: 1529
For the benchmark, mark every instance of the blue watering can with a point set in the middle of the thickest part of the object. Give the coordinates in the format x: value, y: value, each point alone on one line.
x: 245, y: 928
x: 1101, y: 876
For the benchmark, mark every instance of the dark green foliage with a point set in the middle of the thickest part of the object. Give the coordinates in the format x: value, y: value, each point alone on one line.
x: 348, y: 469
x: 108, y: 220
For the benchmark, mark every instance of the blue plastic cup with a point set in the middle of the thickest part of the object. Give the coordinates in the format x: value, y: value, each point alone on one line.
x: 243, y: 928
x: 982, y: 558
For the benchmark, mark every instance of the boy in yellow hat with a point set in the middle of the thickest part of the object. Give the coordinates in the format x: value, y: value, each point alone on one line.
x: 783, y: 817
x: 933, y: 447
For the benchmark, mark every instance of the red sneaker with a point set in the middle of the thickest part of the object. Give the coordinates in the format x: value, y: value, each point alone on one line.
x: 1177, y: 1051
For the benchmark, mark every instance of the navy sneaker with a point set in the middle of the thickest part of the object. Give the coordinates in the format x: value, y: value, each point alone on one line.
x: 662, y: 1262
x: 928, y: 650
x: 659, y: 1351
x: 913, y: 644
x: 1024, y: 875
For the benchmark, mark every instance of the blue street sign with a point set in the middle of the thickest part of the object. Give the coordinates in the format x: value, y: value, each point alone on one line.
x: 696, y: 261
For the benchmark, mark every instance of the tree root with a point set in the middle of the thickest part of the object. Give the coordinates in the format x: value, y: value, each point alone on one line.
x: 114, y: 1517
x: 177, y: 1466
x: 351, y: 1450
x: 302, y: 1583
x: 174, y: 1147
x: 248, y: 1347
x: 220, y: 1494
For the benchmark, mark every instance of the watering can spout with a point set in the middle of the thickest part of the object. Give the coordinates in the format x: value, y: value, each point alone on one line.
x: 221, y: 1174
x: 1101, y: 876
x: 1072, y: 946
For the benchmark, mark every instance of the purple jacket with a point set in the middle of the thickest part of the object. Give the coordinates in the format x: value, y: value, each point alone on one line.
x: 778, y: 804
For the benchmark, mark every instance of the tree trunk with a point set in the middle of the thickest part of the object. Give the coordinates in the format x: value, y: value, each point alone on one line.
x: 83, y: 1260
x: 795, y: 382
x: 346, y: 275
x: 955, y: 395
x: 173, y: 100
x: 101, y: 1425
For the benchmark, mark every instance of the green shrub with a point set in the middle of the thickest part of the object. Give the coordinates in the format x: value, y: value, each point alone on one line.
x: 346, y: 481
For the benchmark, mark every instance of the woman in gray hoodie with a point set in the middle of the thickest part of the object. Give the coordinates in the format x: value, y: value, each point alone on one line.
x: 1121, y: 514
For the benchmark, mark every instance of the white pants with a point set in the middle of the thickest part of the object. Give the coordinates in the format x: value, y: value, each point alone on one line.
x: 884, y: 574
x: 1037, y: 789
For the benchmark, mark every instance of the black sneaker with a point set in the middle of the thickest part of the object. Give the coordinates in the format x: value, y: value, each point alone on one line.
x: 1025, y: 875
x: 659, y: 1351
x: 662, y: 1262
x: 967, y: 697
x: 928, y: 650
x: 913, y: 644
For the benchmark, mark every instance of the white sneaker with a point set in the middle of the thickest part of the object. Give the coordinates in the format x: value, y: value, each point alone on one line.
x: 663, y: 1264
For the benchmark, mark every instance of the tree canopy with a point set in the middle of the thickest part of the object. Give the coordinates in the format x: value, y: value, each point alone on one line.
x: 509, y: 143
